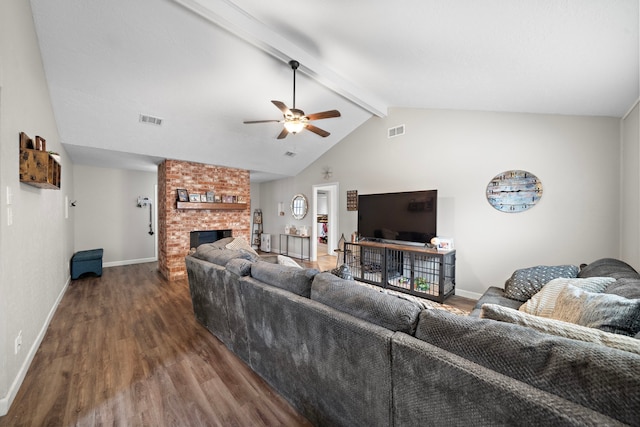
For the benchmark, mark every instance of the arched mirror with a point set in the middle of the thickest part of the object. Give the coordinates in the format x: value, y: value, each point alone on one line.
x: 299, y: 206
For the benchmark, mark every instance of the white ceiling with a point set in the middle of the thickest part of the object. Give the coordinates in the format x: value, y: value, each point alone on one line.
x: 205, y: 66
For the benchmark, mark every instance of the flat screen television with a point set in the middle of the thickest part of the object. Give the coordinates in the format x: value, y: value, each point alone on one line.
x: 398, y: 217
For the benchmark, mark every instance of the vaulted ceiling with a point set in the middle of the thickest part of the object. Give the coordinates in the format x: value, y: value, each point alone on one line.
x: 205, y: 66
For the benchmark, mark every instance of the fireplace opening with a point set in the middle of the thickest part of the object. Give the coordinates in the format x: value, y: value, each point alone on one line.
x: 198, y: 238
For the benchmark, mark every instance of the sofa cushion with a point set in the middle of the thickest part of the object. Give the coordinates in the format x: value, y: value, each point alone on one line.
x: 347, y: 296
x: 526, y: 282
x: 568, y: 368
x: 293, y: 279
x: 211, y: 253
x: 560, y: 328
x: 608, y: 312
x: 543, y: 303
x: 609, y: 267
x: 494, y: 295
x: 625, y: 287
x: 239, y: 266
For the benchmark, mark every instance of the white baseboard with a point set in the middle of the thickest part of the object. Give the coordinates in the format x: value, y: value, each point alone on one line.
x: 129, y: 262
x: 5, y: 402
x: 468, y: 294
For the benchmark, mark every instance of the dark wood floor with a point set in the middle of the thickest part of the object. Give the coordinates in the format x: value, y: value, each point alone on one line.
x: 125, y: 349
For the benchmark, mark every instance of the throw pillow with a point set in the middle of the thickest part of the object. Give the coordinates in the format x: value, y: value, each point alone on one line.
x: 526, y: 282
x: 543, y: 303
x: 344, y: 272
x: 625, y: 287
x: 285, y: 260
x: 607, y: 312
x: 609, y: 267
x: 560, y: 328
x: 241, y: 243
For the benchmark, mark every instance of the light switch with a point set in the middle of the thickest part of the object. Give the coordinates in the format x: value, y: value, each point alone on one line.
x: 9, y: 216
x: 9, y: 195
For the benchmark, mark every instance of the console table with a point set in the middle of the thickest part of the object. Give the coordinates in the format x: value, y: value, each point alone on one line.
x: 423, y: 272
x: 302, y: 241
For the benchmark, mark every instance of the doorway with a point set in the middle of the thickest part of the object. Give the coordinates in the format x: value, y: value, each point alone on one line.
x: 325, y: 208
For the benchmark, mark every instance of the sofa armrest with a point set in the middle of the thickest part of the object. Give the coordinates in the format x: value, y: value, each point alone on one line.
x: 494, y: 295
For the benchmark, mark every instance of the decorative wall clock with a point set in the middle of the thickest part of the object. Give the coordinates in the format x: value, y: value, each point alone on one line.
x: 514, y: 191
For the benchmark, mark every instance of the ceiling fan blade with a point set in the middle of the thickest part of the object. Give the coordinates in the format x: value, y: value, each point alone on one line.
x: 283, y: 134
x: 261, y: 121
x: 282, y: 107
x: 324, y: 115
x: 317, y: 130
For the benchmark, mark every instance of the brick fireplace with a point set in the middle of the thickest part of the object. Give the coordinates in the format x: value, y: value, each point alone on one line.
x: 175, y: 225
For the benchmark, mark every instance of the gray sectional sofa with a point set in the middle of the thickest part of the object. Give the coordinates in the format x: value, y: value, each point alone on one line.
x: 346, y: 355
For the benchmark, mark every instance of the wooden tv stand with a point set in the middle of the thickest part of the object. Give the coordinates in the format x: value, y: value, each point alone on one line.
x: 420, y: 271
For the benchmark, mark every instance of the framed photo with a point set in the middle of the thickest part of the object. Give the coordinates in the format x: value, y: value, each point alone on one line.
x: 227, y: 199
x: 210, y: 196
x: 203, y: 198
x: 217, y: 198
x: 445, y: 244
x: 183, y: 196
x: 241, y: 199
x: 194, y: 197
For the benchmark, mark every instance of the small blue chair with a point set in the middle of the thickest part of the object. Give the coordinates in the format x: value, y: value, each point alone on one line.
x: 86, y: 262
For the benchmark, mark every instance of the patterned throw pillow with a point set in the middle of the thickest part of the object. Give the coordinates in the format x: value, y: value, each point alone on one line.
x: 607, y: 312
x: 543, y: 303
x: 285, y: 260
x: 526, y: 282
x: 344, y: 272
x: 239, y: 243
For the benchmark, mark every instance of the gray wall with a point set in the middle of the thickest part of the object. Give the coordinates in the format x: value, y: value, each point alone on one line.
x: 458, y: 153
x: 34, y: 250
x: 106, y: 214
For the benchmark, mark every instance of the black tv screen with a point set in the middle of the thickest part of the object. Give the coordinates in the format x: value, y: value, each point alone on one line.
x: 398, y: 217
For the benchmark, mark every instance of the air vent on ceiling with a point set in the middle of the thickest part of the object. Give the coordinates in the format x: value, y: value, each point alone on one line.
x: 395, y: 131
x: 290, y: 154
x: 150, y: 119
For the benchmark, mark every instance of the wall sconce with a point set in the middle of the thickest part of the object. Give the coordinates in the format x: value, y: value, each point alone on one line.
x: 280, y: 208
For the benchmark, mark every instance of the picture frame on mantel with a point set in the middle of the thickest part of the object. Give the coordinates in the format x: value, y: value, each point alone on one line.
x: 194, y: 197
x: 183, y: 195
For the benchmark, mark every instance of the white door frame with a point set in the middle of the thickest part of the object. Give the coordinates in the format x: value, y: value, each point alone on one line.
x: 332, y: 207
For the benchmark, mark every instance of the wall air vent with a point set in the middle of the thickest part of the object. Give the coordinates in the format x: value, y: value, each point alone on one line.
x: 290, y: 154
x: 150, y: 120
x: 395, y: 131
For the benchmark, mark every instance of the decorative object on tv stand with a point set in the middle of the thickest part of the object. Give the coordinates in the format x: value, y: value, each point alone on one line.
x: 299, y: 206
x: 514, y: 191
x: 442, y: 243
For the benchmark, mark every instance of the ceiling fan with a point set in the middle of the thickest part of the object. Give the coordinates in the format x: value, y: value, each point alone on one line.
x: 294, y: 119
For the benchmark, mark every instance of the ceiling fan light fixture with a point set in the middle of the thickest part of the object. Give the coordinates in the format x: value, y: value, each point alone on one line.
x: 294, y: 126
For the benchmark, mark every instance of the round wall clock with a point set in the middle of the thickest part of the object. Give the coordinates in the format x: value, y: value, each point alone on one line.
x: 514, y: 191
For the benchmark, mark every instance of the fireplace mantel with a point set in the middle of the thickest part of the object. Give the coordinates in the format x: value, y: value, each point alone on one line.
x: 212, y: 206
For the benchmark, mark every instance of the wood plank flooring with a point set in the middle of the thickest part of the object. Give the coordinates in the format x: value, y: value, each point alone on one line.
x: 125, y: 349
